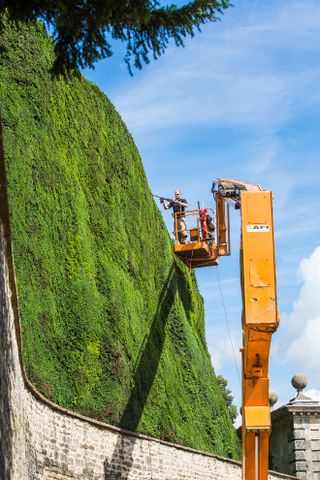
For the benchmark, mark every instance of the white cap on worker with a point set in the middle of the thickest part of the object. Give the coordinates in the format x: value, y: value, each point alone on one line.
x: 178, y: 192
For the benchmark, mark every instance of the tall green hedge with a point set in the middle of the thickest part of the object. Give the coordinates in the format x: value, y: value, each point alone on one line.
x: 112, y: 322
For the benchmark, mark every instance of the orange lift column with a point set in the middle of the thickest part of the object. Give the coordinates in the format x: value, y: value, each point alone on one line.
x: 259, y: 320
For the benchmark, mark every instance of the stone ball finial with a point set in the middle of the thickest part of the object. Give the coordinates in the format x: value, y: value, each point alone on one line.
x: 273, y: 398
x: 299, y: 381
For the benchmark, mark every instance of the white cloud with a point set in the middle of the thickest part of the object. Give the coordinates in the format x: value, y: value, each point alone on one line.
x: 229, y: 287
x: 298, y: 228
x: 306, y: 348
x: 224, y: 351
x: 303, y: 323
x: 237, y: 76
x: 221, y: 98
x: 312, y: 393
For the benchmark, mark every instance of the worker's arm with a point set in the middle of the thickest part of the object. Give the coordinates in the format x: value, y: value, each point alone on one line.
x: 183, y: 203
x: 165, y: 206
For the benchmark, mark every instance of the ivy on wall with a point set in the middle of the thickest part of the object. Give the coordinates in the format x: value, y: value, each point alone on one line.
x: 112, y: 322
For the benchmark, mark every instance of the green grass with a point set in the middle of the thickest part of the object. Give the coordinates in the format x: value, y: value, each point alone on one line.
x: 112, y: 322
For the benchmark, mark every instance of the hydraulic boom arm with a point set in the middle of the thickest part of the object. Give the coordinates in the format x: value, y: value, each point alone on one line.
x: 260, y: 316
x: 258, y: 282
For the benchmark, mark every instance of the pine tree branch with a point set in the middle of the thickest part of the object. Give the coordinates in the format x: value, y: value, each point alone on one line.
x: 82, y: 29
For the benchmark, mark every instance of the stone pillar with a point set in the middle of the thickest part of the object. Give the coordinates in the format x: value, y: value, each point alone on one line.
x: 295, y: 436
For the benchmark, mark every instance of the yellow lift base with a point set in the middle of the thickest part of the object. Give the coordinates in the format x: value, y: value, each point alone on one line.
x: 197, y: 254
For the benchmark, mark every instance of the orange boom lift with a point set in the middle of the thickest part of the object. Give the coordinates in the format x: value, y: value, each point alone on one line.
x: 260, y: 315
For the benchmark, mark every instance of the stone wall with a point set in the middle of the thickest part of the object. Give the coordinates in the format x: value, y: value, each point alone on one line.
x: 41, y: 441
x: 295, y: 438
x: 306, y: 445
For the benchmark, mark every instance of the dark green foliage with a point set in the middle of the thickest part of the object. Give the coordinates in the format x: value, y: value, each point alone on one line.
x: 112, y: 322
x: 227, y: 395
x: 83, y: 29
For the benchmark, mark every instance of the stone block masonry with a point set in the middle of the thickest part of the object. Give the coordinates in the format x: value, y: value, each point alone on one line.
x: 295, y: 438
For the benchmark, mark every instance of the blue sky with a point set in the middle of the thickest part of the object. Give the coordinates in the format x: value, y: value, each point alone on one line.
x: 241, y: 100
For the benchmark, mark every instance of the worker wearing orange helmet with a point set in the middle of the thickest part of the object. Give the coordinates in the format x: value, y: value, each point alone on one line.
x: 178, y: 205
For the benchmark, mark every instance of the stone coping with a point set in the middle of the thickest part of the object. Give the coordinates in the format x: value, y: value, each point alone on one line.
x: 296, y: 410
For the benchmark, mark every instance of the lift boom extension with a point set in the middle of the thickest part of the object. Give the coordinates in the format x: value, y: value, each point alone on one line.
x: 260, y: 316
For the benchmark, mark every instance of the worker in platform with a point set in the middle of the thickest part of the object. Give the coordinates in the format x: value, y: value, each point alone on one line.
x: 179, y: 206
x: 210, y: 228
